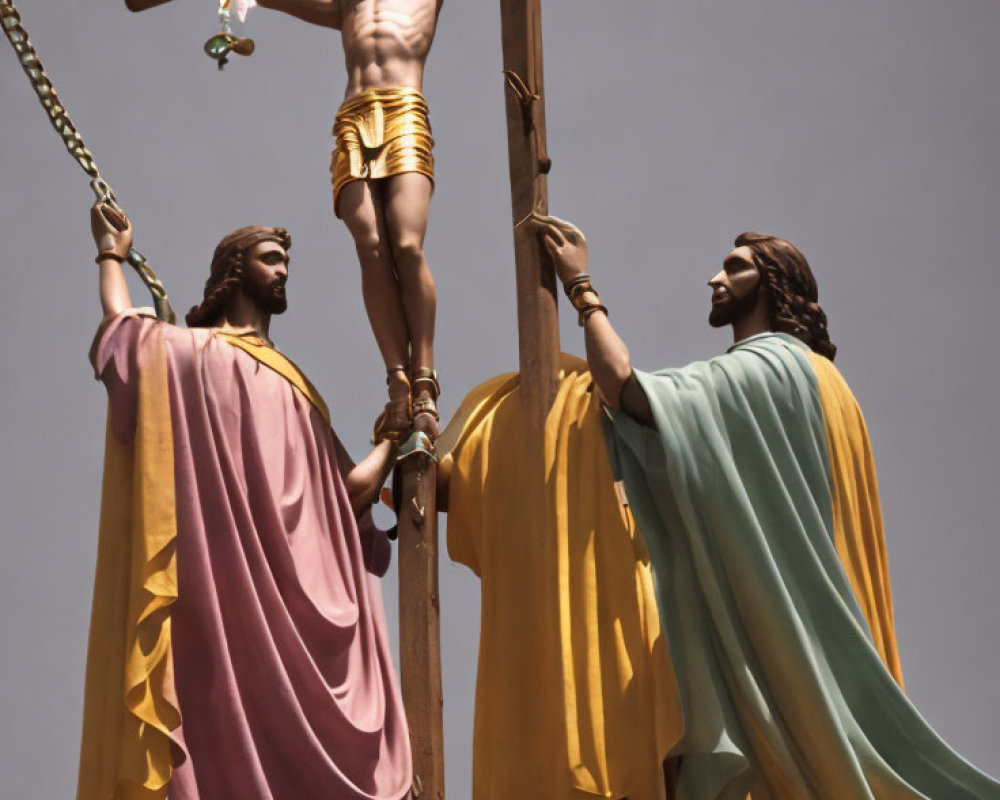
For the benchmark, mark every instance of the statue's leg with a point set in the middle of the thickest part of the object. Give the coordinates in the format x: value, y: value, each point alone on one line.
x: 407, y: 201
x: 361, y: 207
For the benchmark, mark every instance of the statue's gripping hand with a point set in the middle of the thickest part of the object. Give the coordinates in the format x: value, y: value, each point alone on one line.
x: 566, y: 244
x: 111, y: 229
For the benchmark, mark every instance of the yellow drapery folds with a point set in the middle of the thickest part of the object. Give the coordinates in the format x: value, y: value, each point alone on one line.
x: 575, y: 696
x: 282, y: 364
x: 857, y: 512
x: 130, y: 706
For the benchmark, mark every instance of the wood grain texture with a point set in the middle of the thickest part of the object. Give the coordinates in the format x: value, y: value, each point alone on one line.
x: 420, y: 625
x: 537, y: 310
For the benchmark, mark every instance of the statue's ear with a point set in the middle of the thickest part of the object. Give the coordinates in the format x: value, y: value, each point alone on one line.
x: 142, y: 5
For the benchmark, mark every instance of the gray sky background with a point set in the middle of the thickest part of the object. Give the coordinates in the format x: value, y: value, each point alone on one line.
x: 864, y: 132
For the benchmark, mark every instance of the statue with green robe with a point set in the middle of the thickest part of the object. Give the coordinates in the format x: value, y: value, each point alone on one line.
x: 752, y: 480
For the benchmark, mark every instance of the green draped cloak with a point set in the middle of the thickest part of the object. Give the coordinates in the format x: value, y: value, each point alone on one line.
x: 783, y: 688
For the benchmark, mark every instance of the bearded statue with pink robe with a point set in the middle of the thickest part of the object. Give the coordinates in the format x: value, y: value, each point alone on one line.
x: 238, y: 645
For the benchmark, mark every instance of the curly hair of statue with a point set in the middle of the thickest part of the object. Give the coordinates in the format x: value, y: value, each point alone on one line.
x: 226, y: 273
x: 792, y: 291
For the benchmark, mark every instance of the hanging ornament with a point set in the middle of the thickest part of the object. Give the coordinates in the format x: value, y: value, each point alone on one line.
x: 225, y: 41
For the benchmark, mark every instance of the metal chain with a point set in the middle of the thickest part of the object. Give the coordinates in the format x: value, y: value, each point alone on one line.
x: 59, y: 117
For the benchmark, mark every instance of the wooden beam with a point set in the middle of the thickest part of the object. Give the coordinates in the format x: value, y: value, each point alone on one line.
x: 420, y: 624
x: 537, y: 311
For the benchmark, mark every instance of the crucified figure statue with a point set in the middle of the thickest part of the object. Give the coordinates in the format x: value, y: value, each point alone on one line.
x: 383, y: 172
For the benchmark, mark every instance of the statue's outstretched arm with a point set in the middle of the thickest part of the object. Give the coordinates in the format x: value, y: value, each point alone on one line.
x: 607, y: 355
x: 319, y: 12
x: 113, y: 236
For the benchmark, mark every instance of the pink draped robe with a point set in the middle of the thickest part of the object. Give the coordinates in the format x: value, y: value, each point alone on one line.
x: 282, y: 666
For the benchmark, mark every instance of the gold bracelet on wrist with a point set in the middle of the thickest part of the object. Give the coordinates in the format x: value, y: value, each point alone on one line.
x: 588, y: 311
x: 586, y: 298
x: 577, y: 280
x: 576, y: 290
x: 580, y: 290
x: 104, y: 254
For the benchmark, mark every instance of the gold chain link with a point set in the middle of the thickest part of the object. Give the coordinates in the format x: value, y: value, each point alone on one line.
x: 59, y: 117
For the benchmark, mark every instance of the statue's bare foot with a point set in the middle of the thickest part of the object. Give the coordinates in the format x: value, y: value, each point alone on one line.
x: 426, y: 391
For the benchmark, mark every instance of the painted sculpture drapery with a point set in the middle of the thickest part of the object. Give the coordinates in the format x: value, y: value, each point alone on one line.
x: 570, y: 640
x: 755, y: 478
x: 575, y: 695
x: 253, y: 652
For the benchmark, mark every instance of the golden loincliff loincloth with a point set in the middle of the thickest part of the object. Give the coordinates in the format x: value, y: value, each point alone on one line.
x: 380, y: 133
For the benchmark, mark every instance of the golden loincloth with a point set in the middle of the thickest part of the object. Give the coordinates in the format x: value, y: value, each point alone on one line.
x: 380, y: 133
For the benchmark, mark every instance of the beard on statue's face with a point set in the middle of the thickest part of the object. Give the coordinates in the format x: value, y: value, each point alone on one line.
x: 734, y: 289
x: 265, y: 275
x: 727, y: 308
x: 272, y: 297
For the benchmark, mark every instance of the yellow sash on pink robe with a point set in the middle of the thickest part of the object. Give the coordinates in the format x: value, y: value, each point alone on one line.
x: 129, y: 748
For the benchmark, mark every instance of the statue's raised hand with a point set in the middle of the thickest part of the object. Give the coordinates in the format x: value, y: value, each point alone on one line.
x: 111, y: 229
x: 566, y: 244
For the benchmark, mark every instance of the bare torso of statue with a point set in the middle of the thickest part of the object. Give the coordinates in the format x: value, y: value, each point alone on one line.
x: 386, y: 42
x: 383, y: 175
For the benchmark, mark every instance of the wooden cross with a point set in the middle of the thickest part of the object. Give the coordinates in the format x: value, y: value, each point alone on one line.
x: 538, y: 345
x: 537, y: 311
x: 420, y: 624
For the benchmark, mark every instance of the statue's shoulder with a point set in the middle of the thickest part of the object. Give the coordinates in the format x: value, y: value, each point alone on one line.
x: 768, y: 359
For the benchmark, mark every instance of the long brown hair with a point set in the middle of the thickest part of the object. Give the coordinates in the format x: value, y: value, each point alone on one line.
x: 226, y: 273
x: 793, y: 295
